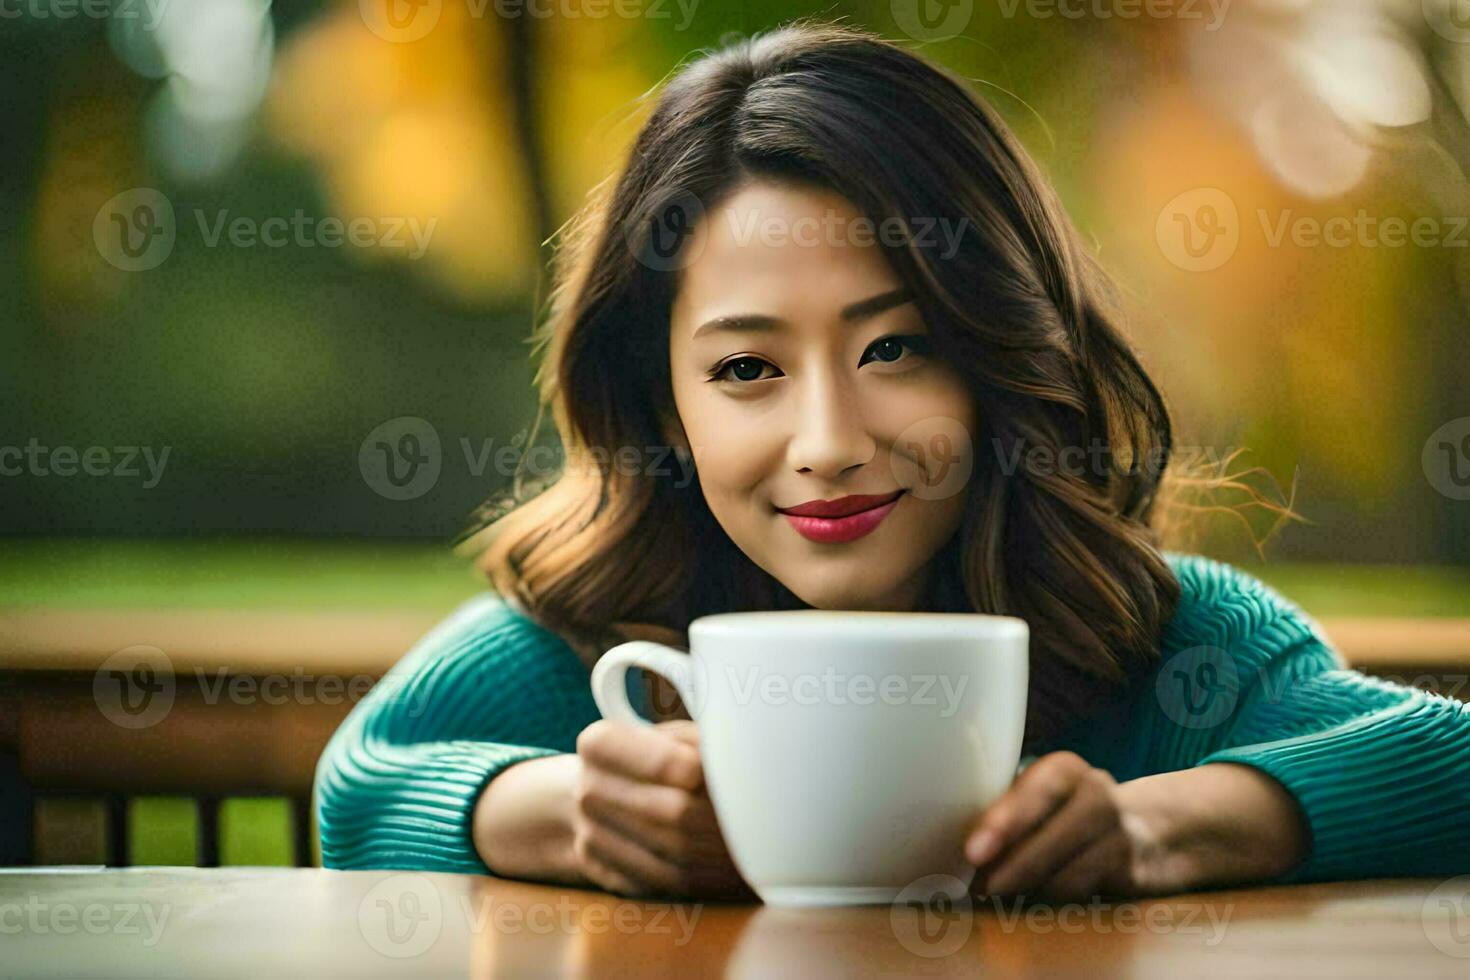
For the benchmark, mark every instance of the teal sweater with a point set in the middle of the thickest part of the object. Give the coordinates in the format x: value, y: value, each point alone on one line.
x: 1381, y: 770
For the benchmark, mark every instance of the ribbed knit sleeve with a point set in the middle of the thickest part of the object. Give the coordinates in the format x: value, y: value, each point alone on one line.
x: 1381, y: 770
x: 397, y: 784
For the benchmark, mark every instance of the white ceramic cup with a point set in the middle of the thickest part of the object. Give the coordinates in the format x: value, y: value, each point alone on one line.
x: 847, y: 754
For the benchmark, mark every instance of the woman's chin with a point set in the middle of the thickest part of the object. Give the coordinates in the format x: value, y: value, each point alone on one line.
x: 846, y: 597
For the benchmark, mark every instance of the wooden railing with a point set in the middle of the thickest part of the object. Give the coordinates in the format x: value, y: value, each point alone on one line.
x: 256, y: 696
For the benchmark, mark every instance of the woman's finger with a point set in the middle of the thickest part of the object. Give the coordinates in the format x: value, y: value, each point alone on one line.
x: 642, y: 753
x: 1061, y: 836
x: 1086, y: 873
x: 680, y: 810
x: 629, y: 858
x: 1040, y: 789
x: 697, y: 838
x: 607, y: 878
x: 684, y: 731
x: 660, y: 840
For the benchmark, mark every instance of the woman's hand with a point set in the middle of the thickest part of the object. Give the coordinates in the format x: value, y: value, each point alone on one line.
x: 1063, y: 831
x: 642, y: 822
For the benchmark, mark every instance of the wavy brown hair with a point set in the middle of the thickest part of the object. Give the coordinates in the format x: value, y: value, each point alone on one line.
x: 602, y: 552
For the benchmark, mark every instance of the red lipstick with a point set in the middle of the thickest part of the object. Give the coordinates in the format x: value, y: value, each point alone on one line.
x: 843, y: 519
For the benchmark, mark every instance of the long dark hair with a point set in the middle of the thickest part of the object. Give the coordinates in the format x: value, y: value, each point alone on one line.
x: 1020, y: 308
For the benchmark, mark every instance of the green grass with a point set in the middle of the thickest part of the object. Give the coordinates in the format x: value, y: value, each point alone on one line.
x: 234, y: 573
x: 255, y: 830
x: 1369, y: 590
x: 295, y: 573
x: 164, y: 830
x: 252, y: 831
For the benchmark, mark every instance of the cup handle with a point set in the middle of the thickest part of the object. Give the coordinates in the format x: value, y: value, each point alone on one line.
x: 610, y: 673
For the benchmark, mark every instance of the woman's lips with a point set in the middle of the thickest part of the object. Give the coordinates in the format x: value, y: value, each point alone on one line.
x: 835, y: 530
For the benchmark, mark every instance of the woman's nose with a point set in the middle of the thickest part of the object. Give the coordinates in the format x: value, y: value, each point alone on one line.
x: 829, y: 432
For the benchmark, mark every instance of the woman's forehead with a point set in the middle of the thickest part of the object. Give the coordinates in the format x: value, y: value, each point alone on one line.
x: 780, y: 251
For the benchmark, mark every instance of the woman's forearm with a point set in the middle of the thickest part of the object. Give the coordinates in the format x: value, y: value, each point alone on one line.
x: 1211, y: 825
x: 522, y: 821
x: 1217, y: 824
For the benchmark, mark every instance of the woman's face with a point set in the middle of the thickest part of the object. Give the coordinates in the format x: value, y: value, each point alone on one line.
x: 801, y: 374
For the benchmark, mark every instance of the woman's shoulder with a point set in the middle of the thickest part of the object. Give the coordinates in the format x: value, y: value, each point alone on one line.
x: 1226, y: 607
x: 486, y: 622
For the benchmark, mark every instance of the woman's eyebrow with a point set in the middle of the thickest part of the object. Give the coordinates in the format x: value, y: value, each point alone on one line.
x: 762, y: 323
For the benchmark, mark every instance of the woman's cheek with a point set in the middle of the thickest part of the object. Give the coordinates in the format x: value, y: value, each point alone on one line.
x: 737, y: 447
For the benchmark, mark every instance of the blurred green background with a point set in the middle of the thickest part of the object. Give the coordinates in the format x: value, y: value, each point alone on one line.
x: 256, y: 379
x: 261, y: 370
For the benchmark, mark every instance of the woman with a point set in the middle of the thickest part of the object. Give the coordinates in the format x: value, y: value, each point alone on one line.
x: 830, y: 278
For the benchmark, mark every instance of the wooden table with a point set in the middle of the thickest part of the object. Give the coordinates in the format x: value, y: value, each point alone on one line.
x: 247, y: 922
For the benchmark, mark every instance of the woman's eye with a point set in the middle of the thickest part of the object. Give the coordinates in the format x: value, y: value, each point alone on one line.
x: 887, y: 349
x: 742, y: 369
x: 890, y: 349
